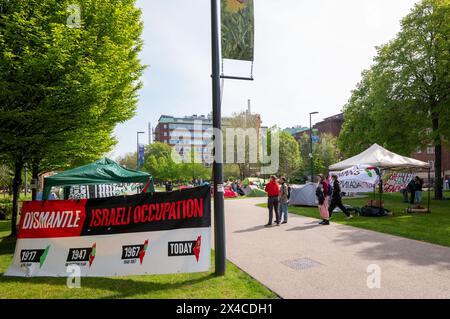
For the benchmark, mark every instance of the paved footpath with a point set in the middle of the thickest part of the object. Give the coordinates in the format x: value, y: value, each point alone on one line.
x: 304, y: 260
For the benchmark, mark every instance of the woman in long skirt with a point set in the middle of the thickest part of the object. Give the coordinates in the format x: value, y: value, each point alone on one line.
x: 322, y: 197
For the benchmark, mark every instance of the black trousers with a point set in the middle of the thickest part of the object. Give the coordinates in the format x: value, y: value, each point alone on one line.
x: 413, y: 197
x: 273, y: 204
x: 337, y: 203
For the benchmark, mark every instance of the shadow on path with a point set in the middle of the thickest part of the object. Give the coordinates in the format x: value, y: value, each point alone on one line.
x: 251, y: 229
x: 386, y: 247
x: 310, y: 226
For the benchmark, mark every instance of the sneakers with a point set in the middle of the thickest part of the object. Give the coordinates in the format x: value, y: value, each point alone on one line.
x: 267, y: 225
x: 284, y: 222
x: 350, y: 216
x: 325, y: 222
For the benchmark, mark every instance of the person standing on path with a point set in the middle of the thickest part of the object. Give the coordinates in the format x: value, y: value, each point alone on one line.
x: 336, y: 199
x: 321, y: 194
x: 284, y: 199
x: 273, y: 191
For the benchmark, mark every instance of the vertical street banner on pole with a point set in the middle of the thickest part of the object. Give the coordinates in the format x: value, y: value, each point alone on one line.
x: 238, y: 29
x: 141, y: 155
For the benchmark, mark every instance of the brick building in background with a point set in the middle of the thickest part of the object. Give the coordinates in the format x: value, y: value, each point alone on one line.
x: 331, y: 125
x: 427, y: 155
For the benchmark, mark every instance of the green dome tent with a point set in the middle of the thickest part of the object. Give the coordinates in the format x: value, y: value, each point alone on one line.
x: 254, y: 180
x: 104, y: 171
x: 257, y: 193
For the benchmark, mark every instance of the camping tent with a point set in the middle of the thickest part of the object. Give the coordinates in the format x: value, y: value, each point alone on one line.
x: 256, y: 192
x: 254, y: 181
x: 228, y: 193
x: 248, y: 189
x: 379, y: 157
x: 303, y: 195
x: 104, y: 171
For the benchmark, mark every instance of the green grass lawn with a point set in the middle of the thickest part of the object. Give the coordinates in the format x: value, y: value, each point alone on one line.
x: 433, y: 228
x: 236, y: 283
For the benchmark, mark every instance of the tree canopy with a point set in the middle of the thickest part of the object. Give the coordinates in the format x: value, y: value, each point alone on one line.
x: 66, y: 81
x: 402, y: 101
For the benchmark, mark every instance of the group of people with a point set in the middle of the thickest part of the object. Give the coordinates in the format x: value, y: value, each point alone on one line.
x: 414, y: 188
x: 328, y: 194
x: 278, y: 200
x: 237, y: 187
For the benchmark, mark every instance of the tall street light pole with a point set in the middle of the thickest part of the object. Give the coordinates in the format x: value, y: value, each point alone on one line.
x: 219, y: 218
x: 137, y: 148
x: 311, y: 146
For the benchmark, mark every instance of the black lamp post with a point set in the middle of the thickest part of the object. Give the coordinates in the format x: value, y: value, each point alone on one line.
x: 219, y: 216
x: 311, y: 146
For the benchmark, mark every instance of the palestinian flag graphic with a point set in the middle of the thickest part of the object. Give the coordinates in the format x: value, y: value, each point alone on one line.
x: 92, y: 254
x: 43, y: 256
x: 197, y: 247
x: 142, y: 251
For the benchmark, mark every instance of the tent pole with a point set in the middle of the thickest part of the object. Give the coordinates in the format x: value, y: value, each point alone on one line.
x: 381, y: 190
x: 429, y: 187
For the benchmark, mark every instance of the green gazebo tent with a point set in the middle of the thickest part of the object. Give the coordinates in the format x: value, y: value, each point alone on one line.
x: 104, y: 171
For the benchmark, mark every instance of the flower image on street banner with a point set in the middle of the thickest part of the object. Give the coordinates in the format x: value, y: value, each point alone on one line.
x: 158, y: 233
x: 238, y: 29
x: 358, y: 179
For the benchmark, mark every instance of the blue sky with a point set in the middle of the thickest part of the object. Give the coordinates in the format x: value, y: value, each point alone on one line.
x: 308, y: 57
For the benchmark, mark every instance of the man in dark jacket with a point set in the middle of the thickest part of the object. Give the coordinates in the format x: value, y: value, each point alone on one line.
x: 336, y: 199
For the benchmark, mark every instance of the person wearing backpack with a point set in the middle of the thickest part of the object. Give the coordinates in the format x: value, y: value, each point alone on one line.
x: 285, y: 194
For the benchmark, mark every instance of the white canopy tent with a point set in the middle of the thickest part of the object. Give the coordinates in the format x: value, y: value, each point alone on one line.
x: 379, y: 157
x: 383, y: 159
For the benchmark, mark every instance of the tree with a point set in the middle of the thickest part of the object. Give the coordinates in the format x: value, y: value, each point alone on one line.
x: 289, y: 153
x: 128, y: 160
x: 64, y: 88
x: 325, y: 153
x: 246, y: 125
x: 192, y: 168
x: 164, y: 164
x: 159, y: 162
x: 403, y: 102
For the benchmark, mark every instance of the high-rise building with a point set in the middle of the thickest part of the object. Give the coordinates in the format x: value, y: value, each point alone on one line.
x: 189, y: 134
x: 193, y: 134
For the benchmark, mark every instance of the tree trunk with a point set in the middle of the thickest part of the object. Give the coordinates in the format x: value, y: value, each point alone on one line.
x: 17, y: 183
x: 438, y: 191
x: 35, y: 177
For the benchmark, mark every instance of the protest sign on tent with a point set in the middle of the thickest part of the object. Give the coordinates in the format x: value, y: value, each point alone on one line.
x: 358, y: 179
x: 396, y: 181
